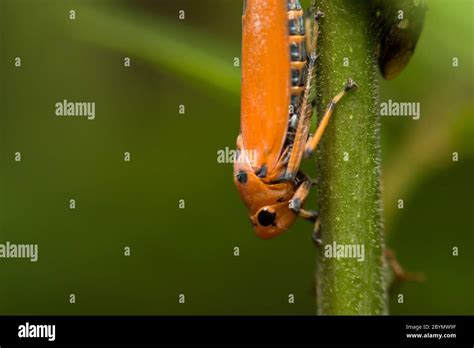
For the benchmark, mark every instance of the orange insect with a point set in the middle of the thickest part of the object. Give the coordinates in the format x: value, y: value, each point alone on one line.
x: 278, y: 74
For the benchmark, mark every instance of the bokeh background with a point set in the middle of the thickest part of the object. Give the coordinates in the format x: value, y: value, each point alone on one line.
x: 173, y: 157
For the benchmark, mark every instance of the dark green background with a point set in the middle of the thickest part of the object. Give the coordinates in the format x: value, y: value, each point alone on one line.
x: 135, y: 204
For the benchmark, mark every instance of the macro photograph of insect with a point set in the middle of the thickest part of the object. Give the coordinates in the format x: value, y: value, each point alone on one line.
x: 228, y: 160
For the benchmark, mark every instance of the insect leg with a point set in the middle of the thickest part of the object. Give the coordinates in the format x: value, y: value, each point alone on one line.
x: 317, y: 232
x: 298, y: 199
x: 305, y: 107
x: 312, y: 30
x: 296, y: 203
x: 398, y: 271
x: 239, y: 142
x: 314, y: 140
x: 304, y: 122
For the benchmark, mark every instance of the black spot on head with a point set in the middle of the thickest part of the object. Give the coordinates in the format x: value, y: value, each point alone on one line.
x: 242, y: 177
x: 266, y: 218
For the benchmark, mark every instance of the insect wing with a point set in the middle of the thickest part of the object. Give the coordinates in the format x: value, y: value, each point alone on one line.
x: 265, y: 80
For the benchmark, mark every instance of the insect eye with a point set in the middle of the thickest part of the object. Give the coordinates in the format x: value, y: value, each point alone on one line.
x: 266, y: 218
x: 242, y: 177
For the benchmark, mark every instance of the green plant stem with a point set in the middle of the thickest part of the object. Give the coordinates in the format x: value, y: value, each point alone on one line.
x: 349, y: 164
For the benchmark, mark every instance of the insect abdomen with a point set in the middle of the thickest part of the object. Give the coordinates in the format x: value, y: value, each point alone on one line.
x: 297, y: 41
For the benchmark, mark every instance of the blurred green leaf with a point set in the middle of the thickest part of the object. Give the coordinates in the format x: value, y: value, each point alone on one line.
x: 168, y: 44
